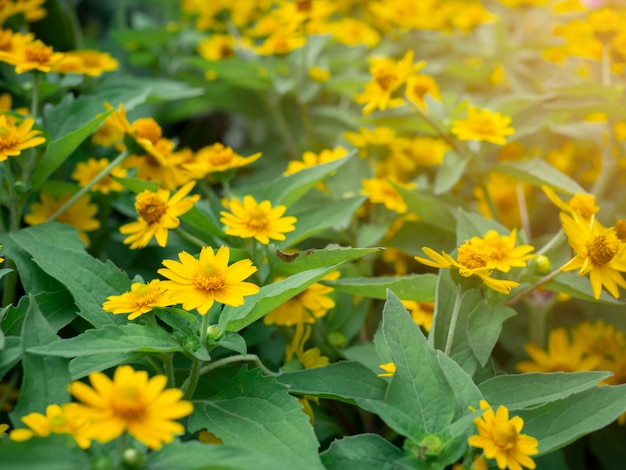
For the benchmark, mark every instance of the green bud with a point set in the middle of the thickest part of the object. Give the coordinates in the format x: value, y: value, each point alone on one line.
x: 430, y: 446
x: 214, y: 333
x: 336, y: 339
x: 102, y: 462
x: 133, y: 459
x: 540, y: 264
x: 190, y: 344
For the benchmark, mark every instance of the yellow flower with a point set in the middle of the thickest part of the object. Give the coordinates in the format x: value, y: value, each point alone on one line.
x: 109, y: 134
x: 215, y: 158
x: 88, y: 62
x: 217, y: 47
x: 141, y: 299
x: 3, y: 428
x: 599, y: 338
x: 306, y: 307
x: 79, y: 215
x: 561, y: 355
x: 261, y: 221
x: 310, y: 159
x: 70, y: 418
x: 354, y: 32
x: 14, y: 139
x: 500, y: 438
x: 30, y: 9
x: 472, y: 260
x: 311, y: 358
x: 281, y: 42
x: 388, y: 76
x: 367, y: 140
x: 389, y: 368
x: 157, y: 214
x: 582, y: 205
x: 503, y: 254
x: 599, y: 253
x: 132, y: 402
x: 418, y: 86
x: 318, y: 74
x: 197, y: 283
x: 381, y: 191
x: 483, y: 125
x: 33, y: 55
x: 421, y: 312
x: 85, y: 172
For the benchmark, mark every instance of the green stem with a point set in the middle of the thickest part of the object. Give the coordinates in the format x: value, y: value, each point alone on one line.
x: 120, y: 158
x: 192, y: 381
x: 534, y: 287
x: 555, y: 240
x: 122, y: 443
x: 34, y: 103
x: 189, y: 237
x: 458, y: 300
x: 523, y: 210
x: 168, y: 366
x: 273, y: 105
x: 238, y: 358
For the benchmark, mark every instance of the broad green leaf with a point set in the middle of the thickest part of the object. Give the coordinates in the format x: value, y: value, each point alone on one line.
x: 465, y: 390
x: 419, y: 287
x: 55, y: 452
x: 335, y: 214
x: 258, y: 413
x: 296, y: 262
x: 450, y: 172
x: 137, y: 185
x: 234, y: 342
x: 537, y: 171
x: 11, y: 354
x: 342, y: 380
x: 82, y: 366
x: 112, y: 339
x: 75, y: 124
x: 202, y: 220
x: 577, y: 286
x: 471, y: 224
x: 286, y: 190
x: 431, y: 211
x: 483, y: 328
x: 558, y: 423
x: 58, y: 308
x: 362, y: 452
x: 419, y: 386
x: 194, y: 455
x: 526, y: 390
x: 89, y: 280
x: 239, y: 72
x: 45, y: 378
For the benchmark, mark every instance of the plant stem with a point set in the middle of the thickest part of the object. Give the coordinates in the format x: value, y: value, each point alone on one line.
x: 238, y: 358
x: 189, y: 237
x: 534, y: 287
x: 120, y: 158
x: 121, y: 447
x: 458, y: 300
x: 34, y: 103
x: 168, y: 366
x: 192, y: 381
x: 273, y: 105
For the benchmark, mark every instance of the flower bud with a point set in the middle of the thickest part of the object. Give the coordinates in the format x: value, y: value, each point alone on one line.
x: 213, y: 333
x: 540, y: 264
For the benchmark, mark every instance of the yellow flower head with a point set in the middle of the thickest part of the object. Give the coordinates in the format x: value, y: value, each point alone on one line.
x: 14, y: 139
x: 88, y: 62
x: 259, y: 220
x: 318, y: 74
x: 34, y: 55
x: 158, y: 212
x: 132, y: 402
x: 418, y: 86
x: 310, y: 159
x: 599, y: 338
x: 80, y: 214
x: 311, y: 358
x: 427, y: 151
x: 85, y: 173
x: 561, y: 355
x: 31, y: 10
x: 500, y: 438
x: 217, y: 47
x: 483, y: 125
x: 381, y: 191
x: 367, y: 140
x: 198, y: 283
x: 421, y: 312
x: 580, y: 205
x: 354, y: 32
x: 389, y: 368
x: 599, y: 253
x: 215, y: 158
x: 70, y: 418
x: 281, y: 42
x: 306, y: 307
x: 503, y: 254
x: 141, y: 299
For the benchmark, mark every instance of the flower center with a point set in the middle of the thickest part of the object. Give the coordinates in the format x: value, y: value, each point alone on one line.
x: 483, y: 125
x: 602, y: 249
x: 257, y: 218
x: 472, y: 256
x: 38, y: 52
x: 221, y: 156
x: 145, y: 295
x: 150, y: 207
x: 147, y: 128
x: 209, y: 278
x: 58, y: 423
x: 505, y: 435
x: 127, y: 404
x: 386, y: 78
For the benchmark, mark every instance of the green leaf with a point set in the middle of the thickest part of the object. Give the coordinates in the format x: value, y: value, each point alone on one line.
x: 558, y: 423
x: 258, y: 413
x: 471, y: 224
x: 418, y: 287
x: 11, y: 354
x: 465, y: 390
x: 55, y: 452
x: 525, y: 390
x: 344, y: 380
x: 234, y: 342
x: 362, y: 452
x: 293, y: 263
x: 112, y: 339
x: 537, y: 171
x: 82, y: 366
x: 89, y: 280
x: 483, y: 328
x: 578, y: 286
x: 431, y: 211
x: 137, y: 185
x: 71, y: 123
x: 419, y: 387
x: 45, y: 377
x: 239, y: 72
x: 450, y: 172
x: 194, y: 455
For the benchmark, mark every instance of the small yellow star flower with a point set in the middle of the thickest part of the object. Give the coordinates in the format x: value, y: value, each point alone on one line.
x: 503, y: 254
x: 483, y: 125
x: 88, y: 62
x: 85, y: 172
x: 141, y: 299
x: 421, y: 312
x: 381, y: 191
x: 215, y: 158
x: 157, y: 214
x: 33, y: 55
x: 14, y: 139
x: 311, y: 358
x: 132, y: 402
x: 418, y: 86
x: 500, y: 438
x: 257, y: 220
x: 582, y: 205
x: 198, y: 283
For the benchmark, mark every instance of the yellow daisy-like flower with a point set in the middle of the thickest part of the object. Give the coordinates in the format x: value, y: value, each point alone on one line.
x: 217, y: 47
x: 215, y: 158
x: 599, y: 253
x: 142, y: 298
x: 34, y: 55
x: 503, y: 254
x: 257, y: 220
x: 389, y: 368
x: 306, y: 307
x: 158, y: 213
x: 85, y: 172
x: 132, y: 402
x: 418, y: 86
x: 70, y: 418
x: 561, y: 355
x: 88, y: 62
x: 318, y: 74
x: 310, y: 159
x: 14, y: 139
x: 582, y: 205
x: 421, y: 312
x: 381, y: 191
x: 80, y: 214
x: 501, y: 438
x: 198, y: 283
x: 311, y: 358
x: 483, y: 125
x: 472, y: 260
